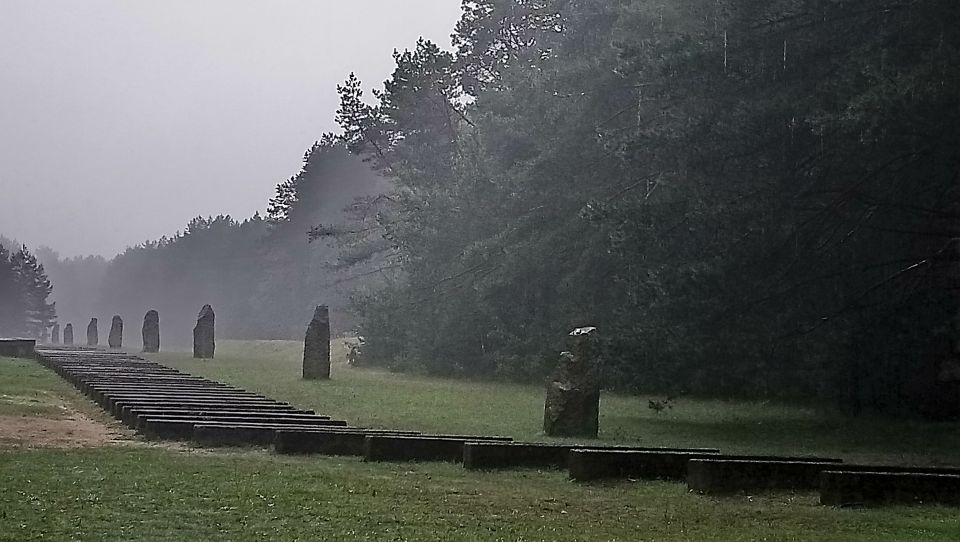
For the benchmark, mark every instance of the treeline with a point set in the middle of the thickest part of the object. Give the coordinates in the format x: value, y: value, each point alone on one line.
x: 76, y: 285
x: 24, y: 289
x: 750, y: 198
x: 260, y: 274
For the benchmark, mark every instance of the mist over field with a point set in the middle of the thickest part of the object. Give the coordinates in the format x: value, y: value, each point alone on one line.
x: 746, y: 199
x: 472, y: 270
x: 122, y: 121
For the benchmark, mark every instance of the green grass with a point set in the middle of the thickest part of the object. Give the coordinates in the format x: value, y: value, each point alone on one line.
x: 27, y: 389
x: 157, y: 494
x: 168, y: 493
x: 377, y: 398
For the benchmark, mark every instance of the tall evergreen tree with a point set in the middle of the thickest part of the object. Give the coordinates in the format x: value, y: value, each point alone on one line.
x: 24, y: 289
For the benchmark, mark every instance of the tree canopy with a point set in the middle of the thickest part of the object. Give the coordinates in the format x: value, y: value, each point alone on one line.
x: 24, y: 289
x: 750, y: 198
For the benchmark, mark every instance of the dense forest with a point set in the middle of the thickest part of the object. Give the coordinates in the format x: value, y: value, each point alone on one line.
x: 747, y: 198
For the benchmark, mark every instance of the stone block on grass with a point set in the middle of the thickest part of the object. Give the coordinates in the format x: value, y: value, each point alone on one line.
x: 498, y: 455
x: 588, y: 465
x: 730, y: 475
x: 419, y: 448
x: 840, y: 488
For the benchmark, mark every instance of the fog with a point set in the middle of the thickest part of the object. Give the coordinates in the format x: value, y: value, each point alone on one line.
x: 120, y: 121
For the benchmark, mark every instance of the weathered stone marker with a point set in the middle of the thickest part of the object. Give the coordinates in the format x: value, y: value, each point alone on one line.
x: 93, y: 338
x: 203, y: 340
x: 68, y: 334
x: 55, y: 334
x: 115, y: 339
x: 572, y: 407
x: 316, y: 346
x: 151, y: 331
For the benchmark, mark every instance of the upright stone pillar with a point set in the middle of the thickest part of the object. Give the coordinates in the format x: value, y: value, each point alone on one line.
x: 68, y: 334
x: 316, y: 346
x: 572, y: 407
x: 151, y: 331
x: 203, y: 340
x: 115, y: 339
x: 55, y: 334
x: 93, y: 337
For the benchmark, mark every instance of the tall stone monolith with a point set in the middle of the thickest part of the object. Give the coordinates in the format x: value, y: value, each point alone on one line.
x: 203, y: 340
x: 68, y: 334
x: 316, y: 346
x: 572, y: 407
x: 55, y: 334
x: 115, y: 339
x: 151, y: 331
x: 93, y: 335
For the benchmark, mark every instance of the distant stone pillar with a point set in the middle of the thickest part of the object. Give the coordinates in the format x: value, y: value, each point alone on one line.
x: 93, y: 337
x: 203, y: 340
x: 316, y: 346
x: 151, y: 331
x: 115, y: 339
x: 55, y: 334
x: 68, y: 335
x: 572, y: 407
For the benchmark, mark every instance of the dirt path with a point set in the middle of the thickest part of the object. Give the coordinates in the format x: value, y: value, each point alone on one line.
x: 72, y: 430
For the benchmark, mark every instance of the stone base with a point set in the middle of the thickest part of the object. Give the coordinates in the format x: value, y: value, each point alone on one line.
x: 839, y: 488
x: 18, y: 348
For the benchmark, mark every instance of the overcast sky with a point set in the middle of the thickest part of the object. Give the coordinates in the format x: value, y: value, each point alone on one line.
x: 121, y: 120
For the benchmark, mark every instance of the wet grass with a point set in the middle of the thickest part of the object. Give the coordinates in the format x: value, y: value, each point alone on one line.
x: 382, y: 399
x: 156, y: 494
x: 159, y: 493
x: 27, y: 389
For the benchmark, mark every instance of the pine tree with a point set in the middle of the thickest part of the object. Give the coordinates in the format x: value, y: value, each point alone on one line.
x: 37, y: 315
x: 11, y: 302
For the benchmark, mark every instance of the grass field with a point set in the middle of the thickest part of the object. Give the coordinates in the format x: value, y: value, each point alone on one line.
x: 144, y: 492
x: 387, y: 400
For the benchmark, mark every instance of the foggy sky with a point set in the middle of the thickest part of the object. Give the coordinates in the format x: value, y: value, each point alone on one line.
x: 121, y: 120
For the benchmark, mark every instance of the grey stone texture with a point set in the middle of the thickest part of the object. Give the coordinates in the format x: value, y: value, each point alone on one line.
x: 115, y: 339
x: 572, y: 406
x: 68, y: 334
x: 151, y: 331
x: 203, y: 337
x: 316, y: 346
x: 93, y: 335
x: 55, y: 334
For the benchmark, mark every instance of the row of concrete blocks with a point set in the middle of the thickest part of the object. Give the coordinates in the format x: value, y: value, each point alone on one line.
x: 705, y: 470
x: 162, y: 403
x: 839, y: 484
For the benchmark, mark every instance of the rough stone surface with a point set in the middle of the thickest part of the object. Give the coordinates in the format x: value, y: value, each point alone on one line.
x: 68, y: 334
x: 316, y: 346
x: 115, y: 339
x: 572, y: 407
x: 151, y: 331
x: 55, y: 334
x: 203, y: 339
x: 93, y: 337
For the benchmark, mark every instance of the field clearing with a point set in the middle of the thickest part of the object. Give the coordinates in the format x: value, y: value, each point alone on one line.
x: 381, y: 399
x: 143, y: 492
